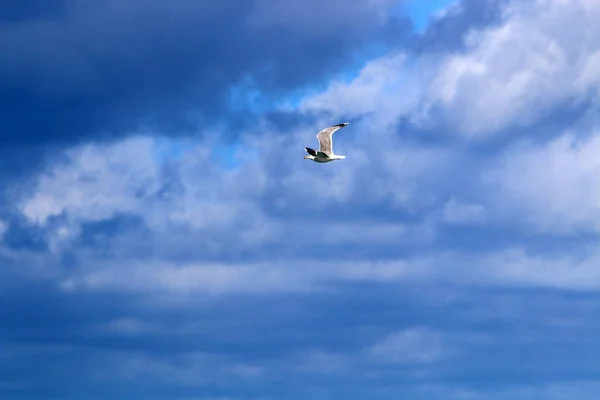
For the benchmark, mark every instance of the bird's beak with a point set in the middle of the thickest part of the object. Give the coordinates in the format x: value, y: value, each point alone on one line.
x: 305, y: 157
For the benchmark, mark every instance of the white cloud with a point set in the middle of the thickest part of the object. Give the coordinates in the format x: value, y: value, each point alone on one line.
x: 197, y: 211
x: 294, y: 276
x: 97, y: 182
x: 508, y: 76
x: 410, y: 346
x: 509, y: 267
x: 514, y: 74
x: 576, y: 269
x: 456, y: 212
x: 193, y: 369
x: 3, y: 229
x: 414, y: 346
x: 370, y: 92
x: 555, y: 187
x: 210, y: 213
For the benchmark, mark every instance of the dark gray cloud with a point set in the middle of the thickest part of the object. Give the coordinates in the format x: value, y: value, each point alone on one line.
x: 103, y: 67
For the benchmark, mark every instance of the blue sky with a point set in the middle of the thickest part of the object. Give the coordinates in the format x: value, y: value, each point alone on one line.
x: 422, y: 12
x: 161, y: 236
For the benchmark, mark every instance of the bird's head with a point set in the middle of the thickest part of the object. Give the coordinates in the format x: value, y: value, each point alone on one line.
x: 309, y: 157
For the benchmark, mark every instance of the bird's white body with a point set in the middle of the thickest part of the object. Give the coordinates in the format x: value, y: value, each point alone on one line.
x: 324, y: 159
x: 325, y: 153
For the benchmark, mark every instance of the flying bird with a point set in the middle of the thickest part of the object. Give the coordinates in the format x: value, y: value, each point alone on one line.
x: 325, y: 153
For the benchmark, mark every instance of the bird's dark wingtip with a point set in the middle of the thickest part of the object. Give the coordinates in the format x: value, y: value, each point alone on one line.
x: 310, y: 151
x: 342, y: 124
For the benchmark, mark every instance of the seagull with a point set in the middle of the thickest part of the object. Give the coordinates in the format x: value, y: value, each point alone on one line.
x: 325, y: 153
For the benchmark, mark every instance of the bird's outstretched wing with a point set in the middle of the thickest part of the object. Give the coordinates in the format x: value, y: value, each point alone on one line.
x: 325, y: 140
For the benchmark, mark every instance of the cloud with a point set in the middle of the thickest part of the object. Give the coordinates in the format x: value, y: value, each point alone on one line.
x: 168, y: 64
x: 97, y: 182
x: 459, y: 213
x: 193, y: 369
x: 246, y: 346
x: 2, y: 229
x: 409, y: 346
x: 363, y: 94
x: 400, y: 353
x: 513, y: 75
x: 460, y: 229
x: 447, y: 29
x: 582, y: 390
x: 187, y: 226
x: 508, y: 76
x: 128, y: 326
x: 133, y: 221
x: 552, y: 187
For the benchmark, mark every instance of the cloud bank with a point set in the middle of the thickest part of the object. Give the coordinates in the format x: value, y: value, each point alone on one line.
x: 161, y: 235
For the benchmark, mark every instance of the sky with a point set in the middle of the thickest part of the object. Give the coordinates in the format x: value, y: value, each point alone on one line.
x: 162, y: 237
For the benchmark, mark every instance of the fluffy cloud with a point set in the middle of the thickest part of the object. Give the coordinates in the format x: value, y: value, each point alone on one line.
x: 95, y: 183
x: 508, y: 76
x: 554, y: 187
x: 191, y: 221
x: 513, y: 75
